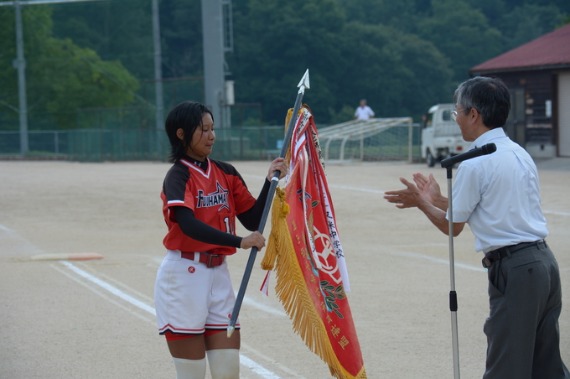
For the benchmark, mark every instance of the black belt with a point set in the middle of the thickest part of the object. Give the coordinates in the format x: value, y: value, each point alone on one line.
x: 498, y: 254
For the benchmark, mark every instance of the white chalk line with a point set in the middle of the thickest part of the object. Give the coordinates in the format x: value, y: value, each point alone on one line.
x: 440, y: 261
x: 381, y: 192
x: 99, y: 292
x: 119, y: 284
x: 109, y: 288
x: 246, y: 361
x: 118, y: 293
x: 257, y: 368
x: 289, y: 372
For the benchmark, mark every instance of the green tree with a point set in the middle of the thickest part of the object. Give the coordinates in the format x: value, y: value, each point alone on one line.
x: 116, y: 30
x: 398, y: 73
x: 462, y: 34
x: 181, y: 30
x: 276, y: 42
x: 529, y: 21
x: 401, y: 55
x: 61, y: 77
x: 123, y: 30
x: 78, y: 79
x: 401, y: 15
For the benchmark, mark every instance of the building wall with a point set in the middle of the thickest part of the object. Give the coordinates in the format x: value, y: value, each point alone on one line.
x: 532, y: 121
x: 563, y: 114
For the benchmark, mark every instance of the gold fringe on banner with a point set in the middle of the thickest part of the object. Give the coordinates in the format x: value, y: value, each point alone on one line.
x: 292, y: 291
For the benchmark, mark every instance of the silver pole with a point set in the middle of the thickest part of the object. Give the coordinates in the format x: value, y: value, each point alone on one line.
x: 303, y: 84
x: 452, y: 293
x: 212, y: 28
x: 157, y: 69
x: 159, y: 112
x: 21, y: 67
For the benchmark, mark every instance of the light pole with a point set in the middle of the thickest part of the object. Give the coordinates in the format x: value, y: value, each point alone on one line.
x: 157, y: 72
x: 20, y: 63
x: 157, y: 65
x: 21, y: 67
x: 217, y: 37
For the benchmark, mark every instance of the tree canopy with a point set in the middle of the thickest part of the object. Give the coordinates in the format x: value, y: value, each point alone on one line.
x: 61, y: 76
x: 402, y: 56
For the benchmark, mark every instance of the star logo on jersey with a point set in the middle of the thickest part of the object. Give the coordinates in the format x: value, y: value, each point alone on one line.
x: 214, y: 199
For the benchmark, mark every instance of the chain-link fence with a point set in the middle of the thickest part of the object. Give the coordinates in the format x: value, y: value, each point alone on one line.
x: 239, y: 143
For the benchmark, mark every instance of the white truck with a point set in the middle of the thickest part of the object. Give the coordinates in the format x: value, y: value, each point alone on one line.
x: 441, y: 136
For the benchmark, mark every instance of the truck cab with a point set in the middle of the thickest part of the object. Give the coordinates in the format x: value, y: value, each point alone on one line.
x: 441, y: 136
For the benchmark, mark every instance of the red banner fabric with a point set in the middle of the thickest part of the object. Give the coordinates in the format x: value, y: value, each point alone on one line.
x: 305, y: 251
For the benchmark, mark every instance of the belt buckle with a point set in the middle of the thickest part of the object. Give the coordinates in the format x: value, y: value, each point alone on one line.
x: 487, y: 263
x: 214, y: 260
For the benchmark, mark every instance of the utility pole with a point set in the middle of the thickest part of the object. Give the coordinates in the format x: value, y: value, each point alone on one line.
x: 21, y: 67
x: 157, y: 64
x: 20, y: 64
x: 218, y: 39
x: 157, y: 74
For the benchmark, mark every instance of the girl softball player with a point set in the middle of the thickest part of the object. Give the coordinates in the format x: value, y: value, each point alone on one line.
x: 201, y: 199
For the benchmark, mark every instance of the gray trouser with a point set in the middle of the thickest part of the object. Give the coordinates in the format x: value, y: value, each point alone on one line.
x: 522, y: 328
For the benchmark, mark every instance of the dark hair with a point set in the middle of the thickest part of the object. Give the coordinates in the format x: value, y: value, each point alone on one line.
x: 489, y: 96
x: 186, y: 116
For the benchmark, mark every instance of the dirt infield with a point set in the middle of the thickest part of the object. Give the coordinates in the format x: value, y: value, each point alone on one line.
x: 95, y: 318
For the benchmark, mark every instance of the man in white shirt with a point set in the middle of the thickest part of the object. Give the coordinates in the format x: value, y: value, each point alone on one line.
x: 498, y: 195
x: 363, y: 112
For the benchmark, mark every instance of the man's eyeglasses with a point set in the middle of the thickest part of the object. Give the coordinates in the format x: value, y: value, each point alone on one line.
x: 454, y: 115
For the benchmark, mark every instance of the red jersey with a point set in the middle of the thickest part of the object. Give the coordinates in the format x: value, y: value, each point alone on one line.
x: 216, y: 196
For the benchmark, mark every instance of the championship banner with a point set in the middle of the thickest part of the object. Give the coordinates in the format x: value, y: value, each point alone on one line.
x: 305, y: 252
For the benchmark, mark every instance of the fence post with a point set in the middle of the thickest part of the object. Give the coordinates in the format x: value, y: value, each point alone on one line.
x: 410, y: 141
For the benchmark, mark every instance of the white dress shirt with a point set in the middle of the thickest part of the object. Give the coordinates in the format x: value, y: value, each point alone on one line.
x: 498, y: 195
x: 364, y: 113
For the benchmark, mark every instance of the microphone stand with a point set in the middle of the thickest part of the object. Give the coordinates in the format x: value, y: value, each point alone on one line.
x: 452, y: 293
x: 448, y: 164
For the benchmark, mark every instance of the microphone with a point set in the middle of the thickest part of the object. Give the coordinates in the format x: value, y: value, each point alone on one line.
x: 483, y: 150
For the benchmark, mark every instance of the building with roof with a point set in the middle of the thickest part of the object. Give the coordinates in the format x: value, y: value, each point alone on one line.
x: 538, y: 76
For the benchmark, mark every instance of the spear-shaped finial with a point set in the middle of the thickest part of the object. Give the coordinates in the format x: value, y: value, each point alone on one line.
x: 305, y: 82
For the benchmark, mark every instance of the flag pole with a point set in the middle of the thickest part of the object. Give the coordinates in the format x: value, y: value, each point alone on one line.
x: 303, y: 84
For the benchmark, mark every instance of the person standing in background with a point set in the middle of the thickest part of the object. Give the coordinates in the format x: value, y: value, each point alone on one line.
x: 363, y: 112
